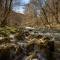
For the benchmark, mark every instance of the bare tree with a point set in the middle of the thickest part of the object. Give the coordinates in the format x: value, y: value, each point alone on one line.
x: 50, y: 11
x: 53, y: 8
x: 7, y: 9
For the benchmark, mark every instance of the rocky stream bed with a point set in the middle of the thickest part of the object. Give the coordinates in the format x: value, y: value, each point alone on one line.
x: 30, y: 46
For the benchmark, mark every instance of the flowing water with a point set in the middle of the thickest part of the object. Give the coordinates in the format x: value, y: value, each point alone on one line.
x: 32, y: 52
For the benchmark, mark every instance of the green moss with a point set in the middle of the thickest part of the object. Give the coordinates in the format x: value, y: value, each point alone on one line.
x: 6, y: 31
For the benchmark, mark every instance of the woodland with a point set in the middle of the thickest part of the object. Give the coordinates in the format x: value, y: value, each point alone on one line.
x: 31, y: 35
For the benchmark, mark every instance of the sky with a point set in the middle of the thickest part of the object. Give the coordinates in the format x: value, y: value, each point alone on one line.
x: 18, y: 5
